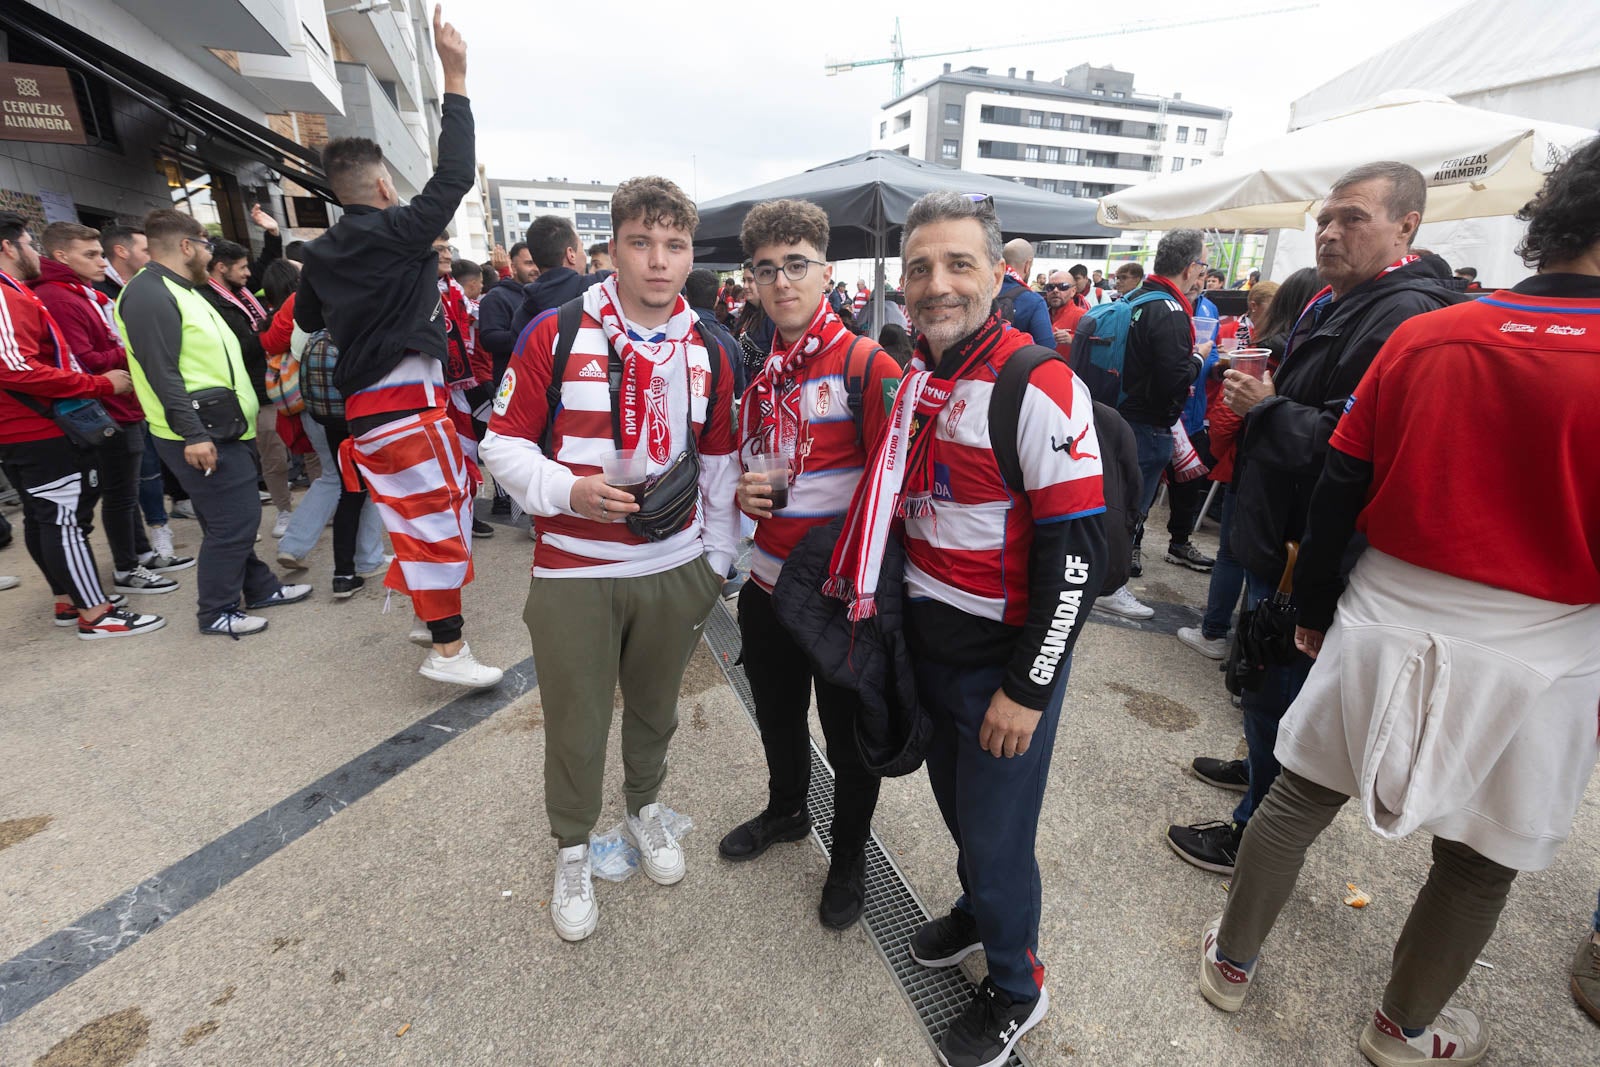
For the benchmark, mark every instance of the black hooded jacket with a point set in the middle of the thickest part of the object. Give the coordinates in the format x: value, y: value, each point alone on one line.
x: 372, y: 280
x: 548, y: 291
x: 1283, y: 444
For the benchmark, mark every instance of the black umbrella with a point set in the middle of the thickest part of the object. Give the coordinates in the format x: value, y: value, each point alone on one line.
x: 1265, y: 634
x: 866, y: 198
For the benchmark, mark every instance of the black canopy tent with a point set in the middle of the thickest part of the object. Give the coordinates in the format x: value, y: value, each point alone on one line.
x: 867, y: 196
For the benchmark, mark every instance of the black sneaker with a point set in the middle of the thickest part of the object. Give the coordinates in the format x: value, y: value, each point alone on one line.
x: 1186, y: 555
x: 501, y: 506
x: 947, y: 941
x: 1135, y: 567
x: 1211, y: 846
x: 844, y: 894
x: 1231, y: 774
x: 481, y: 528
x: 749, y: 840
x: 345, y: 586
x: 983, y: 1034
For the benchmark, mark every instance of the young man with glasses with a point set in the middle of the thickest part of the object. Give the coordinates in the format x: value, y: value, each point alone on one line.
x: 607, y: 605
x: 819, y: 401
x: 179, y: 349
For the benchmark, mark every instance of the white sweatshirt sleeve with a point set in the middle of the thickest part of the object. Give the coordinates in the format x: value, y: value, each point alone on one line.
x: 538, y: 484
x: 719, y: 480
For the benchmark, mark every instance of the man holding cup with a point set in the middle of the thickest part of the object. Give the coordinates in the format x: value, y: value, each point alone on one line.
x: 627, y: 564
x: 808, y: 419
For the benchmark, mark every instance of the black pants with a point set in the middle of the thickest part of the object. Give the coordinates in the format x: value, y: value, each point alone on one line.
x: 1184, y: 499
x: 347, y: 515
x: 781, y: 678
x: 121, y: 459
x: 229, y: 510
x: 59, y: 485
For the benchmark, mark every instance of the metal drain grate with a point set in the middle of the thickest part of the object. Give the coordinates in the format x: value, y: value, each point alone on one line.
x: 893, y: 911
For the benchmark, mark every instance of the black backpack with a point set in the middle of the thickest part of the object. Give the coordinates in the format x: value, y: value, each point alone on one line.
x: 1118, y: 456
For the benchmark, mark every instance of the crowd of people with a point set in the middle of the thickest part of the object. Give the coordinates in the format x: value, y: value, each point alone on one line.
x: 1407, y: 606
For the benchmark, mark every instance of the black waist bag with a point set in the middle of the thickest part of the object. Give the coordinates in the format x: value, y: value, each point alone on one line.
x: 219, y: 412
x: 669, y: 498
x: 85, y: 422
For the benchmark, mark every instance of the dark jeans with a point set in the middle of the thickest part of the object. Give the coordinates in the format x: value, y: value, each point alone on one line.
x: 991, y: 806
x: 1227, y: 578
x: 1185, y: 498
x: 229, y: 510
x: 152, y: 493
x: 781, y: 679
x: 1262, y: 711
x: 121, y: 463
x: 58, y: 489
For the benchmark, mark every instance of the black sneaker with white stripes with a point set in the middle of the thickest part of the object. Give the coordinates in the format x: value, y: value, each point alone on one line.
x: 161, y: 563
x: 119, y: 622
x: 142, y: 580
x: 286, y: 594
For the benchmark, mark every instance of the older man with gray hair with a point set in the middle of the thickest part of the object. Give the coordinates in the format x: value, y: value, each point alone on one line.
x: 991, y: 456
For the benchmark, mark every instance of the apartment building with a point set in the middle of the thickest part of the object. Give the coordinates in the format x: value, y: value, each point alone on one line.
x: 514, y: 204
x: 1087, y: 133
x: 212, y: 105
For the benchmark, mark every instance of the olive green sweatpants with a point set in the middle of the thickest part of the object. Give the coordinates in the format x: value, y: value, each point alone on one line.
x: 589, y: 635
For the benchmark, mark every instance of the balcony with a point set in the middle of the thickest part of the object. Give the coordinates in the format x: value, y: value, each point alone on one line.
x: 368, y: 112
x: 230, y: 25
x: 303, y: 78
x: 384, y: 41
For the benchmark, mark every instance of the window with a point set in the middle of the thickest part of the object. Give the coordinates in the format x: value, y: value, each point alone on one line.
x: 1097, y: 91
x: 1199, y: 135
x: 952, y: 113
x: 1177, y: 164
x: 902, y: 121
x: 1048, y: 185
x: 1183, y: 135
x: 950, y: 150
x: 1071, y: 155
x: 1035, y: 119
x: 1031, y: 153
x: 1194, y: 162
x: 1075, y: 122
x: 883, y: 129
x: 1118, y: 94
x: 1052, y: 155
x: 1057, y: 121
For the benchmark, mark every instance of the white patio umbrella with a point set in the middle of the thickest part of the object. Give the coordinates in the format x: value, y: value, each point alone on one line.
x: 1477, y: 163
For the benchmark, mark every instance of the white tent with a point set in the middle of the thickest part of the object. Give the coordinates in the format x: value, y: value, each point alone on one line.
x: 1478, y: 163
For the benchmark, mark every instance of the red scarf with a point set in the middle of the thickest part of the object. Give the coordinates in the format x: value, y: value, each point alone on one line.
x: 246, y: 302
x: 774, y: 414
x: 645, y: 413
x: 1014, y: 276
x: 884, y: 492
x: 457, y: 326
x: 1177, y: 294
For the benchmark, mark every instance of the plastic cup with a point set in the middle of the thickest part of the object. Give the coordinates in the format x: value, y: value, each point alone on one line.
x: 775, y: 467
x: 1205, y: 329
x: 1251, y: 361
x: 626, y: 469
x: 1228, y: 344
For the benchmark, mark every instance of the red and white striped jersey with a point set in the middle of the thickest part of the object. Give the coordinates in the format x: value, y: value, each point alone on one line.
x: 570, y: 545
x: 972, y: 552
x: 828, y: 458
x: 415, y: 383
x: 862, y: 299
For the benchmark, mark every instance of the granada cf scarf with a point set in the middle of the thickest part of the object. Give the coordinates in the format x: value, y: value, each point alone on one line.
x: 771, y: 407
x: 884, y: 493
x: 246, y: 302
x: 457, y: 329
x: 1011, y: 272
x: 99, y: 301
x: 644, y: 414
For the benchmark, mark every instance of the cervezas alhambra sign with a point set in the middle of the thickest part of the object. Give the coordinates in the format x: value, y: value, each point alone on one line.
x: 37, y: 104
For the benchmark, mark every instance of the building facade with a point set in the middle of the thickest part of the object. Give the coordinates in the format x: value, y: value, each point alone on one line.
x: 1086, y: 134
x: 515, y: 204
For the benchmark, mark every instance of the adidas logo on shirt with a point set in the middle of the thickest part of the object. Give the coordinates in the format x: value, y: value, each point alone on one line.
x: 593, y: 369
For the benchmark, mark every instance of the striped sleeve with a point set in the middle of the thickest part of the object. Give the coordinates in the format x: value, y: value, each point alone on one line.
x: 1057, y: 447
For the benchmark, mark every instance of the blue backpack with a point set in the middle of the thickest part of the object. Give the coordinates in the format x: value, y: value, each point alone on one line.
x: 1100, y: 342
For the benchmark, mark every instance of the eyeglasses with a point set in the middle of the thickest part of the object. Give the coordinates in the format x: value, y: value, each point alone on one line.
x: 204, y: 242
x: 1059, y: 287
x: 793, y: 269
x: 1202, y: 264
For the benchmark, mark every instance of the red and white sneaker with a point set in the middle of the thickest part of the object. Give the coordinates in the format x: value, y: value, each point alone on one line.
x: 67, y: 615
x: 1456, y: 1036
x: 1222, y: 983
x: 119, y: 622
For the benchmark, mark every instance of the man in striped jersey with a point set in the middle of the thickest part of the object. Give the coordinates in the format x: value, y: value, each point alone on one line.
x: 606, y: 605
x: 804, y: 404
x: 1002, y: 567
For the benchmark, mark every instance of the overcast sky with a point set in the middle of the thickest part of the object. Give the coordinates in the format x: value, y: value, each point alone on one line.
x: 605, y: 91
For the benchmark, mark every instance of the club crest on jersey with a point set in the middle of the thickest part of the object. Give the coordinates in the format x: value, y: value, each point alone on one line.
x: 952, y: 420
x: 502, y: 396
x: 699, y: 379
x: 656, y: 405
x: 824, y: 400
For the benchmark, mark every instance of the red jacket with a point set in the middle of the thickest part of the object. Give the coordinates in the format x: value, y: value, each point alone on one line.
x: 34, y: 359
x: 90, y: 335
x: 275, y: 338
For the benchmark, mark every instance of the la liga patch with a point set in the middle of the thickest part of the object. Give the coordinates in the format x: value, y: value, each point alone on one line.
x: 502, y: 397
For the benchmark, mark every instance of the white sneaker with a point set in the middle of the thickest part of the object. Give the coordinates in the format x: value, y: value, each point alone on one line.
x: 572, y: 905
x: 1125, y: 604
x: 659, y: 852
x: 460, y: 669
x: 182, y: 509
x: 290, y: 562
x: 420, y: 634
x: 1456, y: 1036
x: 235, y: 624
x: 1209, y: 647
x: 8, y: 581
x: 281, y: 525
x: 161, y: 540
x: 1222, y: 983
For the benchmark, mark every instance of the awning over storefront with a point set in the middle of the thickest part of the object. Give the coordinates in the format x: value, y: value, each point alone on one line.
x: 205, y: 119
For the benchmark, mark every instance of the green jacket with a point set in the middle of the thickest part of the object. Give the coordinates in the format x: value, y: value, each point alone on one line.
x: 178, y: 344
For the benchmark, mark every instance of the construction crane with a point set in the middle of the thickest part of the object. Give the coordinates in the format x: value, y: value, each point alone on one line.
x: 899, y: 58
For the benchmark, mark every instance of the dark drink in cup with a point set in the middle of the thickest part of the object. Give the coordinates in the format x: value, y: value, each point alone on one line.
x: 636, y: 489
x: 775, y: 467
x: 780, y: 497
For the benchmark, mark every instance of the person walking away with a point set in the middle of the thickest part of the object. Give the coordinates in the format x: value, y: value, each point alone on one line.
x: 190, y: 376
x: 55, y: 477
x: 1433, y: 630
x: 372, y: 282
x: 607, y: 605
x: 1020, y: 306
